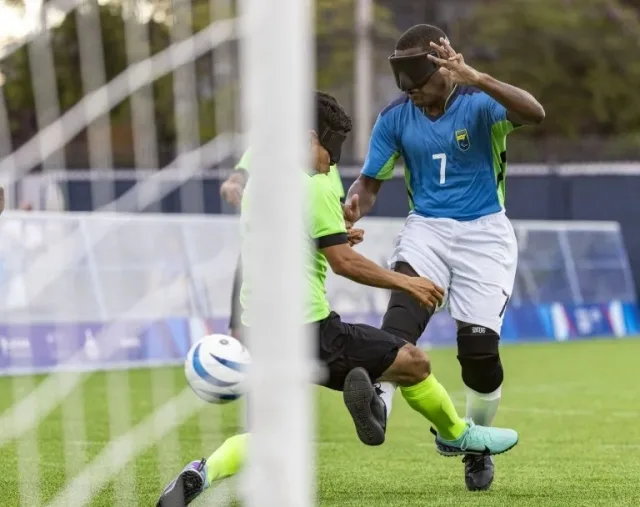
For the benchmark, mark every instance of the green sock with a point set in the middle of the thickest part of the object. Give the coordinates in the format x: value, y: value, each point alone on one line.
x: 228, y: 458
x: 431, y: 399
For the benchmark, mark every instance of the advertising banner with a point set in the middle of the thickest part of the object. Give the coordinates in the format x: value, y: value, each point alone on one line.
x: 93, y: 346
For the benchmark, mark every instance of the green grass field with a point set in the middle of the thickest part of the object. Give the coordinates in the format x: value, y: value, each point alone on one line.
x: 576, y: 406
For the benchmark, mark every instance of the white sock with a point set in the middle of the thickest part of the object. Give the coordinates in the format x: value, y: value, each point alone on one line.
x: 481, y: 407
x: 388, y: 390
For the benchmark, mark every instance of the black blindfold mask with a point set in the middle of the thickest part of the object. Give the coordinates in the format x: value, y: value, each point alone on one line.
x: 332, y: 141
x: 412, y: 72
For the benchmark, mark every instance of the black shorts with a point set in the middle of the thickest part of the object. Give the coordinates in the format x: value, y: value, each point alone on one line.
x: 343, y: 347
x: 236, y: 309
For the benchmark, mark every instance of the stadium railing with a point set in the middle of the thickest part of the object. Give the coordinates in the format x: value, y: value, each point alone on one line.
x: 158, y: 282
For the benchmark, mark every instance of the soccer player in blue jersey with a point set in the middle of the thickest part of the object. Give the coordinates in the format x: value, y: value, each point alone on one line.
x: 450, y: 127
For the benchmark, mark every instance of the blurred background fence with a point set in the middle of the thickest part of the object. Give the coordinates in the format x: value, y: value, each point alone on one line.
x: 605, y: 191
x: 166, y: 281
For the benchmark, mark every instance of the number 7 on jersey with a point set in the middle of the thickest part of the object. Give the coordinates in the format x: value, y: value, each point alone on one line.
x: 442, y: 157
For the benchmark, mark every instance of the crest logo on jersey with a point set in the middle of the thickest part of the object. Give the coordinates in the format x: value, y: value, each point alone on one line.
x: 462, y: 138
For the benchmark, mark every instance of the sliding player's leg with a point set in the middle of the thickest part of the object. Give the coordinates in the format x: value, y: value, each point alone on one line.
x: 197, y: 476
x: 359, y: 354
x: 423, y: 392
x: 411, y: 370
x: 483, y: 262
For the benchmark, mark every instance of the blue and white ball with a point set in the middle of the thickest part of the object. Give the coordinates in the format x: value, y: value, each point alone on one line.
x: 216, y: 368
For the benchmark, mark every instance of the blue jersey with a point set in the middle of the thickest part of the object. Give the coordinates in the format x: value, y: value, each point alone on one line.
x: 455, y: 163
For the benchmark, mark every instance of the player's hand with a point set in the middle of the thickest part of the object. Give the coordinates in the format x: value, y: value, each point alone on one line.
x: 351, y: 210
x: 1, y: 200
x: 453, y: 63
x: 231, y: 191
x: 425, y: 291
x: 355, y: 236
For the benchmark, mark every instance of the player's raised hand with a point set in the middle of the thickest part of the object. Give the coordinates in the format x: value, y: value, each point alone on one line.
x: 231, y: 191
x: 351, y: 210
x: 355, y: 236
x: 425, y: 291
x: 453, y: 63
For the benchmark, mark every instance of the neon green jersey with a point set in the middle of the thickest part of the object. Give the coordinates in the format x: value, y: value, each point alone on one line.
x: 245, y: 162
x: 324, y: 225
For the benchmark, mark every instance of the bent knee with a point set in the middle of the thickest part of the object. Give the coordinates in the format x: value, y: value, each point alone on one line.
x: 417, y: 365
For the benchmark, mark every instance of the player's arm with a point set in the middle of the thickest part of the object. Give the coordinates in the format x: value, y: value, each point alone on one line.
x: 522, y: 107
x: 345, y: 261
x: 233, y: 187
x: 330, y: 234
x: 1, y: 199
x: 378, y: 167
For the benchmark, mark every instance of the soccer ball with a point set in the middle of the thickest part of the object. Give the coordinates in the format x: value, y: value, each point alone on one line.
x: 216, y: 368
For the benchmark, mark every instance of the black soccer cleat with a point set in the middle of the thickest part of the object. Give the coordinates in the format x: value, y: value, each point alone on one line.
x: 478, y: 472
x: 367, y: 409
x: 191, y: 482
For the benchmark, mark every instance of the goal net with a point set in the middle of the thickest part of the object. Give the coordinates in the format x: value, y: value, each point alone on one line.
x: 88, y: 298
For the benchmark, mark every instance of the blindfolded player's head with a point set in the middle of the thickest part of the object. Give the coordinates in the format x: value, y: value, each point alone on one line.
x: 331, y: 129
x: 415, y: 74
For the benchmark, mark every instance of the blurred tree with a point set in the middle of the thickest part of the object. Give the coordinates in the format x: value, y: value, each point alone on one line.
x: 335, y: 40
x: 64, y: 43
x: 632, y: 3
x: 576, y: 56
x: 335, y: 22
x: 335, y: 33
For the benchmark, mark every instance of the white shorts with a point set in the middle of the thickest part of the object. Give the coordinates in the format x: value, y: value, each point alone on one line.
x: 475, y: 262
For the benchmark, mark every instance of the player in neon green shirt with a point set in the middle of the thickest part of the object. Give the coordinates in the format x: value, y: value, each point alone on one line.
x: 234, y: 185
x: 355, y: 355
x: 231, y: 191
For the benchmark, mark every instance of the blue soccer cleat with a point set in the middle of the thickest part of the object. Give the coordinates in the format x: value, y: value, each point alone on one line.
x: 185, y: 488
x: 478, y: 440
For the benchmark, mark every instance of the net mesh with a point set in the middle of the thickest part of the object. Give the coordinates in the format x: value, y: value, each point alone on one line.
x: 101, y: 85
x: 98, y: 309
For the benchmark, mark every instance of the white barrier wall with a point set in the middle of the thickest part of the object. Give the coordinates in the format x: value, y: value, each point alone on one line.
x: 96, y: 291
x: 74, y: 267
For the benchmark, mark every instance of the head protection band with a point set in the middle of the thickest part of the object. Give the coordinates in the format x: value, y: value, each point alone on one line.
x: 332, y: 141
x: 413, y: 71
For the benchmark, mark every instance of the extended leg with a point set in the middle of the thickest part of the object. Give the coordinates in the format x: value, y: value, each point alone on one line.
x: 225, y: 462
x: 405, y: 318
x: 482, y: 374
x: 412, y: 372
x: 374, y: 354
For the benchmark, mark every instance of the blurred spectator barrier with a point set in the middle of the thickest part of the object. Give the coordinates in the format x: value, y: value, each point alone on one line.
x: 157, y: 282
x: 599, y: 191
